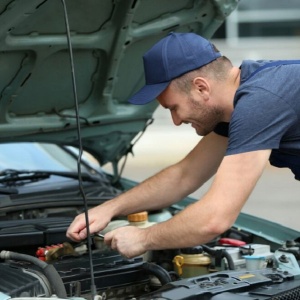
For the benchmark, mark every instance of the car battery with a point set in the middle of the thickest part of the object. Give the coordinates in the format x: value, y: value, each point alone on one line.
x: 237, y: 254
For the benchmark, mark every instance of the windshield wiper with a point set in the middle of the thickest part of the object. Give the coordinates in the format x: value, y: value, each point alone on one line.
x: 8, y: 191
x: 11, y: 177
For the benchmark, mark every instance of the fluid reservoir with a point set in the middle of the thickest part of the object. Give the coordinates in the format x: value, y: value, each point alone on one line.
x: 99, y: 243
x: 191, y: 262
x: 141, y: 220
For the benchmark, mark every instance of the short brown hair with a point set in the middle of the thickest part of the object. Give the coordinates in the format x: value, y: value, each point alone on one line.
x: 217, y: 70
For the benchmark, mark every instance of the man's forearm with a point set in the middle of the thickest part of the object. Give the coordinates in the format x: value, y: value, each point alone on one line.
x: 156, y: 192
x: 217, y: 210
x: 175, y: 182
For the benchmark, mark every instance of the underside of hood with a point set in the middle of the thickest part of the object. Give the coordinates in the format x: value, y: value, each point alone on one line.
x: 108, y: 39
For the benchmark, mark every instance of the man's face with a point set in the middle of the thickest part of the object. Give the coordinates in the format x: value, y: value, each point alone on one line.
x: 191, y: 109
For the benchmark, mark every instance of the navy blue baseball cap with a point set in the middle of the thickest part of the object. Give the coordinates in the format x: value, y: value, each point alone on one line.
x: 173, y: 56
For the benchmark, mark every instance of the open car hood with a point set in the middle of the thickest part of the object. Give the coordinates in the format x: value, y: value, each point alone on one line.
x: 108, y: 39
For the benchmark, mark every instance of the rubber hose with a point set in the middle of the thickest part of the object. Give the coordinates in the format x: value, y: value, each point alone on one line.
x: 48, y: 270
x: 224, y: 254
x: 229, y: 260
x: 158, y: 271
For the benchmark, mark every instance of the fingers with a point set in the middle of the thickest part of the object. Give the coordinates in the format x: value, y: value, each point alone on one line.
x: 76, y: 230
x: 126, y: 240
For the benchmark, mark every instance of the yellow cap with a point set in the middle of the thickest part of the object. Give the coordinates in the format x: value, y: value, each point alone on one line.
x: 138, y: 217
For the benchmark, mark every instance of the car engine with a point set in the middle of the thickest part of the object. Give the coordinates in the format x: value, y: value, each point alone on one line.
x: 44, y: 264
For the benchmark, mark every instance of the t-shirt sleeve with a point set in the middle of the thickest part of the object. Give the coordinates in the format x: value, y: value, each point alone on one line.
x: 259, y: 121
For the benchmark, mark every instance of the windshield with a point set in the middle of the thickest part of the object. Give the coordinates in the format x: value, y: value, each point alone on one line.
x: 41, y: 156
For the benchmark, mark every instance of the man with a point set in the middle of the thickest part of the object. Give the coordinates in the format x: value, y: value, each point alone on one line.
x: 261, y: 103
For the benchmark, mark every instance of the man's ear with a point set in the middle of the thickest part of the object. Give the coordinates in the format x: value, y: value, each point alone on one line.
x: 202, y: 86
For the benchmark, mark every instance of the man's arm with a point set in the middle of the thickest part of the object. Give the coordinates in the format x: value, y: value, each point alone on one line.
x: 202, y: 221
x: 159, y: 191
x: 177, y: 181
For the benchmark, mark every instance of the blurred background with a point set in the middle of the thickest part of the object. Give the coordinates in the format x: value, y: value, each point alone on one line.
x: 258, y: 29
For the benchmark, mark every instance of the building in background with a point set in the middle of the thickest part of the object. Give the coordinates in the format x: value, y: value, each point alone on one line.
x: 261, y: 29
x: 262, y: 18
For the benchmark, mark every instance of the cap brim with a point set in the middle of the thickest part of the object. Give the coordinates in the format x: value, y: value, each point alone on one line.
x: 148, y: 93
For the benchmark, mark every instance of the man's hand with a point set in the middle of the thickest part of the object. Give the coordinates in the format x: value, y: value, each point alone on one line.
x: 98, y: 220
x: 129, y: 241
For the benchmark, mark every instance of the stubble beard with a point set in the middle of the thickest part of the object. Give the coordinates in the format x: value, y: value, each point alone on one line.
x: 206, y: 118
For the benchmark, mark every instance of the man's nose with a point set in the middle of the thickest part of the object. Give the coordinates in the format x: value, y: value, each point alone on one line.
x: 176, y: 120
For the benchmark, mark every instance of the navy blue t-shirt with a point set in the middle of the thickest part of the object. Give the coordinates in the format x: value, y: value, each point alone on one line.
x: 267, y: 114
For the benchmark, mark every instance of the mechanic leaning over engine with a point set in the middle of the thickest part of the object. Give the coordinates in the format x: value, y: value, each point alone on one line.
x: 246, y: 115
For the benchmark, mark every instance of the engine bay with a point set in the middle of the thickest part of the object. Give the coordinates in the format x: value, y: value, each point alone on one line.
x: 236, y: 265
x: 103, y: 45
